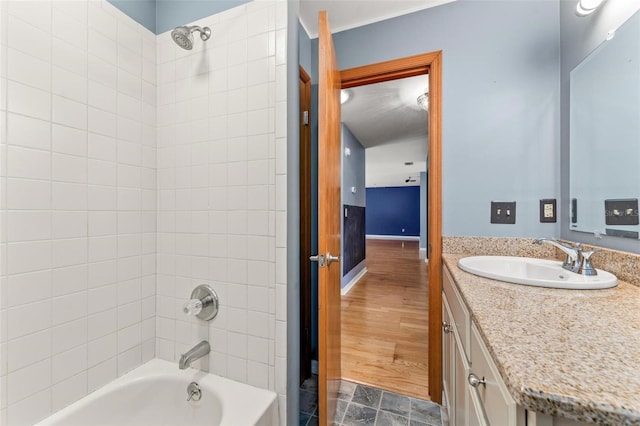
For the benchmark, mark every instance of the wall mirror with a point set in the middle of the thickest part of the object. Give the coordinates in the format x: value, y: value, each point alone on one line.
x: 605, y: 136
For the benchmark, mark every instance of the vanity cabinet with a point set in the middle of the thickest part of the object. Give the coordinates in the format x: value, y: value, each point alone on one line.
x: 474, y: 392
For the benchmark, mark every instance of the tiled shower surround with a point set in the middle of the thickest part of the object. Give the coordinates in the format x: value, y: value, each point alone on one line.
x: 131, y: 171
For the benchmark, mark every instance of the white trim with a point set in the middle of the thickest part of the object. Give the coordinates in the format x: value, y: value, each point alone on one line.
x: 393, y: 237
x: 353, y: 282
x: 422, y: 253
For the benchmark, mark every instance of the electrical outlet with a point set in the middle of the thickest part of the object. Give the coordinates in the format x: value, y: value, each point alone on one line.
x: 503, y: 212
x: 548, y: 211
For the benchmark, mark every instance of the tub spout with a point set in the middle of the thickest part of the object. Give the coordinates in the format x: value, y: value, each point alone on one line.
x: 193, y: 354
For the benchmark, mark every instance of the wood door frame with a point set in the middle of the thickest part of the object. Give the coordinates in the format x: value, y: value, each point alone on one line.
x: 304, y: 83
x: 431, y: 64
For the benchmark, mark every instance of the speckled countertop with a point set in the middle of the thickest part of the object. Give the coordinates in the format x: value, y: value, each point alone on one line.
x: 571, y: 353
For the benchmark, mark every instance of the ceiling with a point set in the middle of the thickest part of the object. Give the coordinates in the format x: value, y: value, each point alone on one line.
x: 387, y: 121
x: 347, y: 14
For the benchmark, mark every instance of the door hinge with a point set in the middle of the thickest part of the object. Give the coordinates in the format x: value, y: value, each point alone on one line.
x: 305, y: 118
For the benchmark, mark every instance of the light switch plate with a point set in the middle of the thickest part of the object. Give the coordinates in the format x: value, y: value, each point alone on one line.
x: 621, y: 211
x: 503, y: 212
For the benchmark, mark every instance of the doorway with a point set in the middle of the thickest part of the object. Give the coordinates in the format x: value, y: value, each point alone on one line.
x: 431, y: 64
x: 384, y: 285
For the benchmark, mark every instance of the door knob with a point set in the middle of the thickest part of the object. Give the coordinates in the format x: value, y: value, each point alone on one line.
x: 476, y: 381
x: 318, y: 258
x: 331, y: 259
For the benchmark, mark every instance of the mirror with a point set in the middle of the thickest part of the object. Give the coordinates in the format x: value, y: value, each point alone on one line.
x: 605, y: 136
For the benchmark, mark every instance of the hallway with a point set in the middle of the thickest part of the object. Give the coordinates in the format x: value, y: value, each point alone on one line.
x: 384, y: 321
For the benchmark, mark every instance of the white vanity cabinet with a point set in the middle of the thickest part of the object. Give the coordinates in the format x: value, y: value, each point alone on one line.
x: 467, y: 360
x: 474, y: 392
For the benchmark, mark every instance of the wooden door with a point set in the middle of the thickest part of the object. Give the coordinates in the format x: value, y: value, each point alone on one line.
x: 305, y: 225
x: 328, y: 222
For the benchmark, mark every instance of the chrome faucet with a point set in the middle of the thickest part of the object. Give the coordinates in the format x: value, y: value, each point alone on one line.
x: 578, y: 260
x: 193, y: 354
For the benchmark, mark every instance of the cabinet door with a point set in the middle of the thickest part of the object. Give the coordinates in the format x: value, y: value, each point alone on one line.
x: 460, y: 394
x: 476, y: 411
x: 500, y: 408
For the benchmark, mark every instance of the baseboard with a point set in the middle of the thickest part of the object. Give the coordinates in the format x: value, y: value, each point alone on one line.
x: 393, y: 237
x: 353, y: 282
x: 314, y: 366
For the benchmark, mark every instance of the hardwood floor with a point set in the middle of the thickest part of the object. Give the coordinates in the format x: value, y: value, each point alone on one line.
x: 385, y: 319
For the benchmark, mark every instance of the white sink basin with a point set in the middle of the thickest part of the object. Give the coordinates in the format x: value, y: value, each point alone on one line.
x: 535, y: 272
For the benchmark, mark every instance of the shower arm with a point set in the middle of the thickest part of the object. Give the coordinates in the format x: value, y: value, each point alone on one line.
x: 205, y: 32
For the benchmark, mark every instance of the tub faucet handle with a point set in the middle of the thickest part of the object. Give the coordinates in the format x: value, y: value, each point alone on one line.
x: 203, y: 303
x: 192, y: 307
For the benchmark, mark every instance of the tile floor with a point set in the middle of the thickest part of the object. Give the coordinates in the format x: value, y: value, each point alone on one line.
x: 364, y: 405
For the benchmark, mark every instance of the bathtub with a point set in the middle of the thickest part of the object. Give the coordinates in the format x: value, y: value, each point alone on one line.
x: 156, y: 394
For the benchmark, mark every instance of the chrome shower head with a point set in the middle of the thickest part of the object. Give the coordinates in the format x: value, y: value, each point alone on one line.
x: 183, y: 36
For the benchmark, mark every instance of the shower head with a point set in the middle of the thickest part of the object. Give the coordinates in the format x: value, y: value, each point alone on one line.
x: 183, y: 36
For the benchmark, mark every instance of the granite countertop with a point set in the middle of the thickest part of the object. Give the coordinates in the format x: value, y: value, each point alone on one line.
x: 571, y: 353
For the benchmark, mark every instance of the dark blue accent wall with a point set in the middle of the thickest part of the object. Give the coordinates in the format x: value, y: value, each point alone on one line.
x: 391, y: 209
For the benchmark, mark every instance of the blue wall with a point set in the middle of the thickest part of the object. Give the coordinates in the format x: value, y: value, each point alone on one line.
x: 353, y: 230
x: 141, y: 11
x: 392, y: 208
x: 501, y: 102
x: 159, y: 16
x: 173, y: 13
x: 353, y: 169
x: 304, y: 50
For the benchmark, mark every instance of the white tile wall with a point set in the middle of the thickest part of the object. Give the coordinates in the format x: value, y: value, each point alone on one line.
x: 217, y: 200
x: 131, y: 171
x: 77, y: 202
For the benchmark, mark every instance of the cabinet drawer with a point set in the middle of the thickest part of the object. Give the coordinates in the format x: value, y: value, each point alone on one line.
x: 459, y: 311
x: 499, y: 407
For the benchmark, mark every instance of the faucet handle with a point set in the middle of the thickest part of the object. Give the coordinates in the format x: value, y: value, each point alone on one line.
x: 587, y: 267
x: 588, y: 254
x: 192, y: 307
x: 203, y: 303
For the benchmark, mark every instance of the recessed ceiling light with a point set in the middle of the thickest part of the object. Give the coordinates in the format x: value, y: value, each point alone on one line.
x: 585, y: 7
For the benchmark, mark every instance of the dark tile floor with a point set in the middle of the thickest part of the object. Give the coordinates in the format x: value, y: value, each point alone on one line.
x: 364, y: 405
x: 309, y: 402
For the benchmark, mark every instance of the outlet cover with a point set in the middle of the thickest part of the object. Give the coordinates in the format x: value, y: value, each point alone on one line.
x: 503, y: 212
x: 548, y: 211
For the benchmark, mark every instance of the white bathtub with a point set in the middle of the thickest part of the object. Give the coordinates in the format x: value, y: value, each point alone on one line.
x: 156, y: 394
